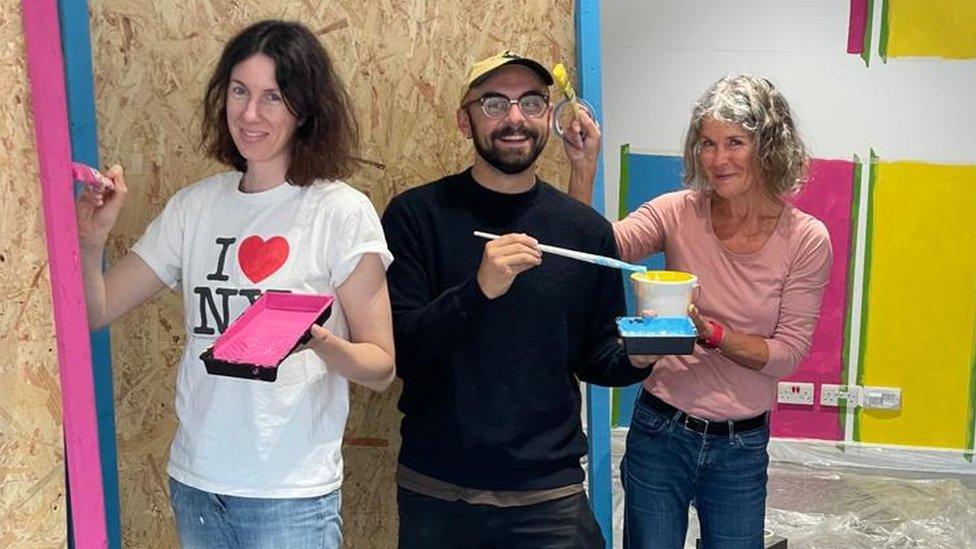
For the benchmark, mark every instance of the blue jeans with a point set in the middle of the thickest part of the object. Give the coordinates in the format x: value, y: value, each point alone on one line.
x: 666, y: 467
x: 206, y: 520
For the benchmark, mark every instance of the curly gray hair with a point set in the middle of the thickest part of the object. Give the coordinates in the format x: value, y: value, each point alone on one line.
x: 757, y: 106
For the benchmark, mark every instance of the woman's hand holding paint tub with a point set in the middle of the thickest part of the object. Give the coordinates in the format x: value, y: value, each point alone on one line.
x: 503, y: 260
x: 702, y: 324
x: 97, y: 211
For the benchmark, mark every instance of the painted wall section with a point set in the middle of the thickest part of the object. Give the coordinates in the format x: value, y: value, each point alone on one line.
x: 920, y: 302
x: 857, y: 27
x: 828, y: 196
x: 946, y: 28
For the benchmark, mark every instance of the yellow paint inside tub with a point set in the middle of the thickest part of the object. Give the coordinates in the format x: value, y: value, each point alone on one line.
x: 673, y: 277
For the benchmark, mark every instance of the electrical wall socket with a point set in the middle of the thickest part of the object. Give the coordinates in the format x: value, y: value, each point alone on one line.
x: 835, y: 395
x: 855, y: 396
x: 881, y: 398
x: 793, y: 392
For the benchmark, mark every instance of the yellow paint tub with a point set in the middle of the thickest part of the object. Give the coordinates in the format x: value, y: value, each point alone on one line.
x: 668, y: 293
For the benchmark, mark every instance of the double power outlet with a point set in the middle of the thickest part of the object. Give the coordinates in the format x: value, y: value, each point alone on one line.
x: 852, y: 396
x: 794, y: 392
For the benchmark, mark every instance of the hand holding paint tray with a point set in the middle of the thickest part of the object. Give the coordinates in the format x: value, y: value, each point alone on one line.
x: 270, y: 330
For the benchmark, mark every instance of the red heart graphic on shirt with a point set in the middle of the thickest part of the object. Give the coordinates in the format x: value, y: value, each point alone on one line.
x: 260, y: 258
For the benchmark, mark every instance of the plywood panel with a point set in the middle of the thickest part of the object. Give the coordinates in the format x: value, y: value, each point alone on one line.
x: 32, y: 501
x: 403, y: 63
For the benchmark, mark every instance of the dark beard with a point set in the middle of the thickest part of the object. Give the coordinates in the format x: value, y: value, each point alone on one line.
x: 511, y: 163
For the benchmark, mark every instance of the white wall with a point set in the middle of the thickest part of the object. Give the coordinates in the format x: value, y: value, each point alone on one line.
x: 660, y: 55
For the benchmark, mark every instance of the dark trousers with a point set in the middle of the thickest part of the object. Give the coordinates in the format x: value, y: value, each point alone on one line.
x: 431, y: 523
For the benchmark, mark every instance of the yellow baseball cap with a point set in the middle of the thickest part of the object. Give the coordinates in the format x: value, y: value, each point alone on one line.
x: 479, y: 71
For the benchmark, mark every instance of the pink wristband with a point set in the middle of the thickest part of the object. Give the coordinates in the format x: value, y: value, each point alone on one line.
x: 718, y: 334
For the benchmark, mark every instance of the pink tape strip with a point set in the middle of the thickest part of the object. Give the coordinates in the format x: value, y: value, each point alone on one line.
x: 45, y: 66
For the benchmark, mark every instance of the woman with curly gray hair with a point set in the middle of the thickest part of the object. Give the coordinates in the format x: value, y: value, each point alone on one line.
x: 701, y: 423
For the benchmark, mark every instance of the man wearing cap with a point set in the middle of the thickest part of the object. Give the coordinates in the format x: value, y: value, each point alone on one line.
x: 492, y: 337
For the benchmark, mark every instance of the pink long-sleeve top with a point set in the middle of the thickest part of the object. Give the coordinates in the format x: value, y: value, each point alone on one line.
x: 774, y: 293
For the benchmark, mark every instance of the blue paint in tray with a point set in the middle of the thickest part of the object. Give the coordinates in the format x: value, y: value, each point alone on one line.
x: 666, y: 335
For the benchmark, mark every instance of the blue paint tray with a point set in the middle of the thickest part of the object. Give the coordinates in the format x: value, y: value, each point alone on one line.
x: 664, y: 335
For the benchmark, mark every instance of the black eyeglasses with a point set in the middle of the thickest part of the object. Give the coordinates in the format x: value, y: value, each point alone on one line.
x: 496, y: 105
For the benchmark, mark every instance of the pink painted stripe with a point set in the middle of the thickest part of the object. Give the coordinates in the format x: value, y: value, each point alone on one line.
x: 45, y: 70
x: 857, y: 26
x: 828, y: 197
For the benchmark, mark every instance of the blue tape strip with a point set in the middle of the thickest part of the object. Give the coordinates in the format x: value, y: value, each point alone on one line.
x: 79, y: 74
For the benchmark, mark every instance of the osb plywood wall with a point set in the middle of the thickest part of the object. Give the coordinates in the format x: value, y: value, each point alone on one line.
x: 403, y: 63
x: 32, y: 510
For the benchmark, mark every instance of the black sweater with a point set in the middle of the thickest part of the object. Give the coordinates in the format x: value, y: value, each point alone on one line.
x: 491, y: 396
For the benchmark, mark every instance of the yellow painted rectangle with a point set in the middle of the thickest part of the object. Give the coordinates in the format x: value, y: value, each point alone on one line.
x: 921, y: 303
x: 922, y: 28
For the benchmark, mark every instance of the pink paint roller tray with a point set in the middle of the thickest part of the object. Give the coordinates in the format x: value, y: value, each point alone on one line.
x: 268, y: 331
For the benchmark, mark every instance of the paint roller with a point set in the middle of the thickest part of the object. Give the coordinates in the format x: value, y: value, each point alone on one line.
x: 561, y: 77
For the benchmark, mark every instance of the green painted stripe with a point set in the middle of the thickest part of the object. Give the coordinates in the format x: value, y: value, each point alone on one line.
x: 615, y: 407
x: 971, y: 424
x: 868, y: 25
x: 624, y: 187
x: 872, y: 180
x: 883, y: 41
x: 848, y: 313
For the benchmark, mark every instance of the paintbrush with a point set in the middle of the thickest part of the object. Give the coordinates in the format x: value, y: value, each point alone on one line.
x: 579, y: 256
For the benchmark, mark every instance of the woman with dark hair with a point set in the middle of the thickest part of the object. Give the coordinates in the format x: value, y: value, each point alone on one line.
x: 701, y: 424
x: 257, y: 464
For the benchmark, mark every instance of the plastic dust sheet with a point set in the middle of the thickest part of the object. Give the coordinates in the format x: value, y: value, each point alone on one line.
x: 818, y: 504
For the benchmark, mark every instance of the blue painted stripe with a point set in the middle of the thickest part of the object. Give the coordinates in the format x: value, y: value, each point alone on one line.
x: 599, y: 475
x: 79, y: 75
x: 588, y: 63
x: 597, y: 398
x: 648, y: 175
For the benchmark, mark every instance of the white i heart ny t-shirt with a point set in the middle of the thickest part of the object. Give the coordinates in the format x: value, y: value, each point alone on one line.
x: 223, y: 248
